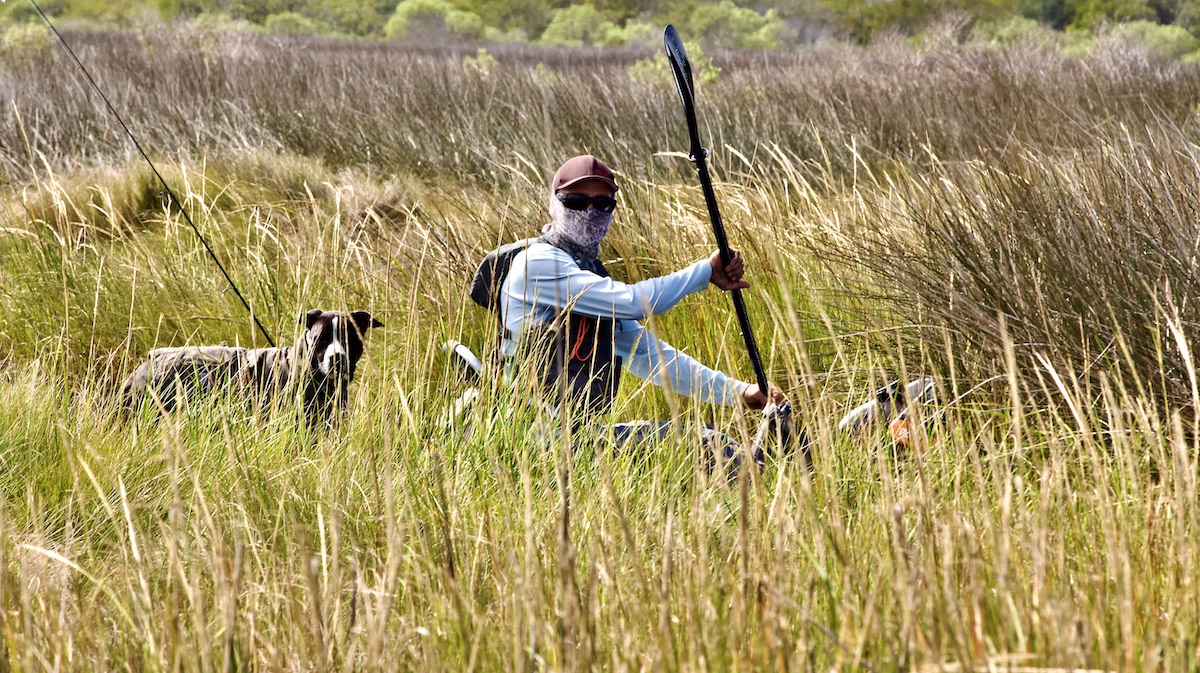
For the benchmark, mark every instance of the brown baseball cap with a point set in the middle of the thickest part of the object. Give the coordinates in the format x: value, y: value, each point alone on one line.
x: 581, y: 169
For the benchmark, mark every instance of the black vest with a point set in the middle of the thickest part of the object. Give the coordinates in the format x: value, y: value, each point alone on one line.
x: 579, y: 367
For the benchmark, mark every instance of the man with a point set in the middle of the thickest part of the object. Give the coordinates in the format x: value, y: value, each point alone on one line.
x: 561, y: 311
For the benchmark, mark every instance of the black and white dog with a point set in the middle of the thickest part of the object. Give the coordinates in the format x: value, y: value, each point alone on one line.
x: 321, y: 364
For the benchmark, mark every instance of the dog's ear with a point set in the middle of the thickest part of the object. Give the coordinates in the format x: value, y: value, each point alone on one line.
x: 309, y: 319
x: 364, y: 321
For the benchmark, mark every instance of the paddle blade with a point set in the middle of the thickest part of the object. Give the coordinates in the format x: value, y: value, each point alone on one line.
x: 681, y: 68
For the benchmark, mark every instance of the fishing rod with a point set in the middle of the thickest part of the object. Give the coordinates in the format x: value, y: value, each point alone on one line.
x: 182, y: 210
x: 681, y: 68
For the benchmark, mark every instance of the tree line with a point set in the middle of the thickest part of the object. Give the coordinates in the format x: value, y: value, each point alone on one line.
x: 721, y: 24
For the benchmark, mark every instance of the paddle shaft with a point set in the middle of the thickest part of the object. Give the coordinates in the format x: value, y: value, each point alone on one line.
x: 739, y: 303
x: 681, y: 69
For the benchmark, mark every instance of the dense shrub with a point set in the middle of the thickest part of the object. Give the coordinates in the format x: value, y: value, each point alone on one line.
x: 419, y: 20
x: 1016, y: 30
x: 347, y: 18
x: 641, y: 34
x: 482, y: 62
x: 656, y: 70
x: 727, y: 26
x: 576, y: 25
x: 1093, y: 14
x: 466, y: 25
x: 1160, y: 41
x: 215, y: 23
x: 24, y: 43
x: 291, y: 23
x: 24, y: 11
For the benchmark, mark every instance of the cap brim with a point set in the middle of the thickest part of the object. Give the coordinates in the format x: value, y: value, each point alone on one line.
x: 570, y: 183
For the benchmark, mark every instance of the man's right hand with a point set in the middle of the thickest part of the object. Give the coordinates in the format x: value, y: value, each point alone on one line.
x: 728, y: 276
x: 755, y: 399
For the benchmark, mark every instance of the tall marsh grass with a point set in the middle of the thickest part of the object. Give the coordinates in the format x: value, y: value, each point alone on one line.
x: 429, y: 112
x: 1020, y: 223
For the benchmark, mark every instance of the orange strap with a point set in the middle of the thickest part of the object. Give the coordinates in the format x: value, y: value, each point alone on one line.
x: 583, y: 324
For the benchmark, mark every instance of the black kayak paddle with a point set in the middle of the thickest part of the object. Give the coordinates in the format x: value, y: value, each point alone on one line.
x: 681, y: 68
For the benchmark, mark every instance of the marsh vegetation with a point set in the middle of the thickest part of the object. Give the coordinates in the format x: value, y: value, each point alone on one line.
x: 1019, y: 223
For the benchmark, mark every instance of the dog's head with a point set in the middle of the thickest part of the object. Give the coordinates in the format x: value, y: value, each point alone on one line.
x: 333, y: 341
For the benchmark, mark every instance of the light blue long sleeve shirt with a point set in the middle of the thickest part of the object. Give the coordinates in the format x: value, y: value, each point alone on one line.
x: 544, y: 281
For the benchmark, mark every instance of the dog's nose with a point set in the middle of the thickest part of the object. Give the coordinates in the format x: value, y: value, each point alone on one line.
x: 339, y: 362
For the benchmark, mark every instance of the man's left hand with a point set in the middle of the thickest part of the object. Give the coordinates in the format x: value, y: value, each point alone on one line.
x: 728, y: 276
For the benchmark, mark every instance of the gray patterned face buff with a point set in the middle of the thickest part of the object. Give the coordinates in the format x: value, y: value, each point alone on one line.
x: 578, y: 232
